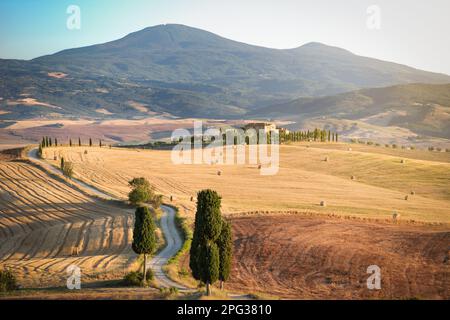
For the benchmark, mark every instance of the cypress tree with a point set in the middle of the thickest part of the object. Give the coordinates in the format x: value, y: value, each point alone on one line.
x: 90, y: 142
x: 329, y: 135
x: 40, y: 151
x: 50, y: 141
x: 43, y: 142
x: 336, y: 137
x: 70, y: 142
x: 144, y: 238
x: 100, y: 143
x: 225, y: 244
x: 62, y: 163
x: 79, y: 142
x: 56, y: 142
x: 204, y: 253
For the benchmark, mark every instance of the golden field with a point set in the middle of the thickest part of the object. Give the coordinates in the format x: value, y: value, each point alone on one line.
x: 381, y: 179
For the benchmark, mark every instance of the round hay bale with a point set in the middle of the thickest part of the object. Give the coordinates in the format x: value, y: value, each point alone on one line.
x: 413, y: 193
x: 326, y: 159
x: 403, y: 161
x: 406, y: 197
x: 353, y: 177
x: 219, y: 173
x: 85, y: 152
x: 323, y: 203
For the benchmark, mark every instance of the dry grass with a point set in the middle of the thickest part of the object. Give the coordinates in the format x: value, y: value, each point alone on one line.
x: 303, y: 180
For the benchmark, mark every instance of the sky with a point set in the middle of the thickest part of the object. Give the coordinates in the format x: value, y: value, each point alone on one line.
x: 411, y: 32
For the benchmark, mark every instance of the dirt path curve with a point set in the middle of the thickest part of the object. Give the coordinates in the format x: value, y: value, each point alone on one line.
x: 169, y: 229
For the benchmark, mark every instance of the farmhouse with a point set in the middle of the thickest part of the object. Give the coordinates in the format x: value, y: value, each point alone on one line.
x: 266, y: 126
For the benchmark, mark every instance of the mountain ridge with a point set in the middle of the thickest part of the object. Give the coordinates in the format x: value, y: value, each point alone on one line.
x: 188, y: 72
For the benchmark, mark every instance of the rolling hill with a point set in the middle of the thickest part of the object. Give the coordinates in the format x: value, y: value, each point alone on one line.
x: 421, y: 108
x: 186, y: 72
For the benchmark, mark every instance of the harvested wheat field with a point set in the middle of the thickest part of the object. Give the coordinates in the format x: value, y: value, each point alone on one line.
x: 46, y: 225
x: 304, y: 180
x: 311, y: 257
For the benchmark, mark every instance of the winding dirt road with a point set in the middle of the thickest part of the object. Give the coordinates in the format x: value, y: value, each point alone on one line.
x: 169, y: 229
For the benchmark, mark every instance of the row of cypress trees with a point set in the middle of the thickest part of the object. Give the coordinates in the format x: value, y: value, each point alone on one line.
x: 49, y: 142
x: 316, y: 135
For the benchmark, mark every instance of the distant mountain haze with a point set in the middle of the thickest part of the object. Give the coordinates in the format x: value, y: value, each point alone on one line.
x: 187, y: 72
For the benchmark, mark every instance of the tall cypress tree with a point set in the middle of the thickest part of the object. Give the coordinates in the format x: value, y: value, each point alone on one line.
x: 79, y: 142
x: 204, y: 253
x: 144, y: 238
x: 225, y: 244
x: 90, y: 142
x: 70, y: 142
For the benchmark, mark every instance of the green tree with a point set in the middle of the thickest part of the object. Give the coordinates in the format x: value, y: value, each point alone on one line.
x: 90, y: 142
x: 204, y: 253
x: 70, y: 142
x: 62, y: 163
x: 100, y: 143
x: 144, y: 238
x: 143, y: 192
x: 225, y: 244
x: 79, y: 142
x: 56, y: 142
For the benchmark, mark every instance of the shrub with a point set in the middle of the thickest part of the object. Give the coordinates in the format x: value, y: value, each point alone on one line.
x: 8, y: 281
x: 167, y: 292
x: 134, y: 278
x: 447, y: 150
x: 431, y: 148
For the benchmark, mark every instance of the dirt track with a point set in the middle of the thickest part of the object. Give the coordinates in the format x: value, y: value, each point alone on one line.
x: 316, y: 257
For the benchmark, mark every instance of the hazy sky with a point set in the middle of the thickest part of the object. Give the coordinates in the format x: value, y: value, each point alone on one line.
x: 412, y: 32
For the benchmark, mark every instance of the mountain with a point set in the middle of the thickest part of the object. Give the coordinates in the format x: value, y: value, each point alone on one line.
x: 186, y: 72
x: 424, y: 109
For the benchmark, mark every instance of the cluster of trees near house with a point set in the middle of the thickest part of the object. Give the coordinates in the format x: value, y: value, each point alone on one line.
x: 317, y: 135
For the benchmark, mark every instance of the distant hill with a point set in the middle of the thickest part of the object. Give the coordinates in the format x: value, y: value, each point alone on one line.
x: 421, y: 108
x: 186, y: 72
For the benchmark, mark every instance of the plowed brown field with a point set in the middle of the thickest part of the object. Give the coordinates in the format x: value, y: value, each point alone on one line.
x: 310, y: 257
